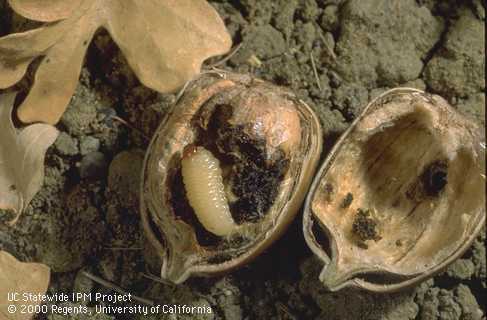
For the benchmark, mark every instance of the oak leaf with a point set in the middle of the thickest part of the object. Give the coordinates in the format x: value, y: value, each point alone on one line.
x: 45, y: 10
x: 20, y: 278
x: 21, y: 159
x: 164, y: 41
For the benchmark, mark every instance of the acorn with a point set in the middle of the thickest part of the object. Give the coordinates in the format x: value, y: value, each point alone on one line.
x: 225, y: 173
x: 400, y: 196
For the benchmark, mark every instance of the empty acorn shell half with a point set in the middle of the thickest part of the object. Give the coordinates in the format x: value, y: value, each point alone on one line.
x: 225, y: 173
x: 400, y: 196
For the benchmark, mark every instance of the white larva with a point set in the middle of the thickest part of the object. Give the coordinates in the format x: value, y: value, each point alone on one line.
x: 202, y: 178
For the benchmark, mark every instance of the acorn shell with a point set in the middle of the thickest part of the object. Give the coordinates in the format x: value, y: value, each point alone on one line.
x: 400, y: 196
x: 268, y: 144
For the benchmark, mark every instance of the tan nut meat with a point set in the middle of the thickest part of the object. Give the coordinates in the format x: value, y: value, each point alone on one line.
x: 225, y: 174
x: 400, y: 196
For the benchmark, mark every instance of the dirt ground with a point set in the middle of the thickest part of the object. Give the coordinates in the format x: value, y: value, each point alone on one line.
x: 85, y: 218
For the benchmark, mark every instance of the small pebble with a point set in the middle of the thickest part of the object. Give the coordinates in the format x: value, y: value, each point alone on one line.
x: 88, y: 144
x: 66, y: 145
x: 329, y: 19
x: 462, y: 269
x: 93, y: 165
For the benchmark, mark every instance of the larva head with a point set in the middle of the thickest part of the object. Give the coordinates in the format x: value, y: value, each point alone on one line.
x: 226, y: 173
x: 189, y: 150
x: 401, y: 195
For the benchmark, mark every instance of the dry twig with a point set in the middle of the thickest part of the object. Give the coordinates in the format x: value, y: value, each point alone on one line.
x: 313, y: 65
x: 116, y: 288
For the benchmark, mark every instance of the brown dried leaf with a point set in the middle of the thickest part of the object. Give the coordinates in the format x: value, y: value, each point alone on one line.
x: 20, y: 278
x: 45, y: 10
x: 165, y: 43
x: 21, y: 159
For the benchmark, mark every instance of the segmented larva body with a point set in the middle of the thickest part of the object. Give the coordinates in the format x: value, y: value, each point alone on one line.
x: 202, y: 178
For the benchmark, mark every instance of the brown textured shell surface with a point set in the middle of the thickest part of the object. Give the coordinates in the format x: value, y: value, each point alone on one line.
x: 400, y: 196
x: 231, y: 139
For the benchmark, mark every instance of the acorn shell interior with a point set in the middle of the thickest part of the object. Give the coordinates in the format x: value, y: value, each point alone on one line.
x: 401, y: 195
x: 282, y: 128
